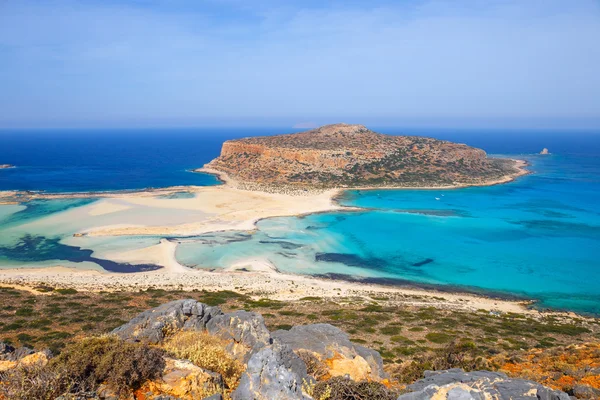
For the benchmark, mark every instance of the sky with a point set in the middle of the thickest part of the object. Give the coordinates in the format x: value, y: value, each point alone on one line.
x: 428, y: 63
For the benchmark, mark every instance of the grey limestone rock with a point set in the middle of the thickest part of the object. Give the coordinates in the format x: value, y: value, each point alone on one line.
x: 327, y: 340
x: 246, y: 332
x: 455, y: 384
x: 586, y: 392
x: 273, y: 373
x: 153, y: 325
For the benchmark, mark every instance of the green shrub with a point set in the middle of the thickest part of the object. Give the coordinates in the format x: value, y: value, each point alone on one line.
x: 66, y: 291
x: 123, y: 366
x: 390, y: 330
x: 82, y: 367
x: 458, y: 354
x: 24, y: 312
x: 438, y: 337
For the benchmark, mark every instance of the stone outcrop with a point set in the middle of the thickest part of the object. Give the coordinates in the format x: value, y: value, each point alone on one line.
x: 274, y: 373
x: 154, y: 325
x: 455, y: 384
x: 544, y: 151
x: 275, y: 367
x: 6, y: 166
x: 333, y: 348
x: 183, y: 380
x: 245, y: 331
x: 344, y: 155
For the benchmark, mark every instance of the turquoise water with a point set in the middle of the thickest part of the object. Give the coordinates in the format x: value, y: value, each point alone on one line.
x: 28, y: 238
x: 538, y: 237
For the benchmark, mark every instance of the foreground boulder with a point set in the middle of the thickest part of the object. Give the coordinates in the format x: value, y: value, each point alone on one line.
x: 334, y: 349
x: 455, y: 384
x: 245, y: 331
x: 183, y: 380
x: 154, y: 325
x: 273, y: 373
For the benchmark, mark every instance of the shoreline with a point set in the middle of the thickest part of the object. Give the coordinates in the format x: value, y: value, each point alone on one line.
x: 259, y: 279
x: 251, y: 276
x: 520, y: 170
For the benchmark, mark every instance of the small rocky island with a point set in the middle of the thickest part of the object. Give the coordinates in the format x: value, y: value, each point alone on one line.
x: 6, y: 166
x: 342, y: 155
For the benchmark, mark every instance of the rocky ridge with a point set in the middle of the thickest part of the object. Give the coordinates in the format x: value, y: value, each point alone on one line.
x: 343, y: 155
x: 305, y: 362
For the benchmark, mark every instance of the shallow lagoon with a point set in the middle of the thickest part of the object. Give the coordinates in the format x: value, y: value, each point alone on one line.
x: 538, y: 237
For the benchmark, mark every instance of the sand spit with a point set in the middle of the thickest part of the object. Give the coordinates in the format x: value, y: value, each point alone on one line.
x: 223, y: 207
x: 210, y: 209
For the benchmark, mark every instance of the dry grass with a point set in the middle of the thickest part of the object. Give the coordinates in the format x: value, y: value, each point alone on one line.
x: 559, y: 368
x: 36, y: 382
x: 82, y: 367
x: 207, y: 352
x: 314, y: 367
x: 340, y: 388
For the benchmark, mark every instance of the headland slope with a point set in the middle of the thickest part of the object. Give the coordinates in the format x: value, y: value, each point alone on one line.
x: 352, y: 156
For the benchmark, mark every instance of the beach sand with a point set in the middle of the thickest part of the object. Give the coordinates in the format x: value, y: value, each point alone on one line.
x: 253, y: 277
x: 210, y: 209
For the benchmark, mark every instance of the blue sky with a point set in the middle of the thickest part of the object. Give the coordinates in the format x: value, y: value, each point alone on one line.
x: 460, y: 63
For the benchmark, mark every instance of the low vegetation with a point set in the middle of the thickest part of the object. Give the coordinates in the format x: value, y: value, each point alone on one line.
x: 82, y: 367
x: 207, y: 352
x: 561, y: 368
x: 341, y: 388
x: 411, y: 339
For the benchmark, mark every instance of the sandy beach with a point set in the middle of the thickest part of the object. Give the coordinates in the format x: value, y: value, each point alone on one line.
x: 253, y: 277
x: 211, y: 209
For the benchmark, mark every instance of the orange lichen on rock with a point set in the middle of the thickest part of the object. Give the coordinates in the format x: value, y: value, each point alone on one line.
x: 356, y: 368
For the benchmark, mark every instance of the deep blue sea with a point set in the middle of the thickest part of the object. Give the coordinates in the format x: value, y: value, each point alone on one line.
x: 104, y: 160
x: 537, y: 237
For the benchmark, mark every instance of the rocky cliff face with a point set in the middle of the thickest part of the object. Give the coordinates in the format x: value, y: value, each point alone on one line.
x: 344, y: 155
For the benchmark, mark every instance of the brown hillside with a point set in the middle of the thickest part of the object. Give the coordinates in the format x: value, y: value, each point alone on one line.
x: 343, y: 155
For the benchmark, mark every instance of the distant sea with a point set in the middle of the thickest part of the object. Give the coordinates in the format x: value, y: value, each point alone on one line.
x: 536, y: 238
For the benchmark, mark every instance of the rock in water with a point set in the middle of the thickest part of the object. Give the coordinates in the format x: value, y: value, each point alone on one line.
x: 544, y: 151
x: 274, y: 373
x: 333, y: 347
x: 455, y: 384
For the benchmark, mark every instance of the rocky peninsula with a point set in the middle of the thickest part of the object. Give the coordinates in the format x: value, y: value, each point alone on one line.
x: 352, y: 156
